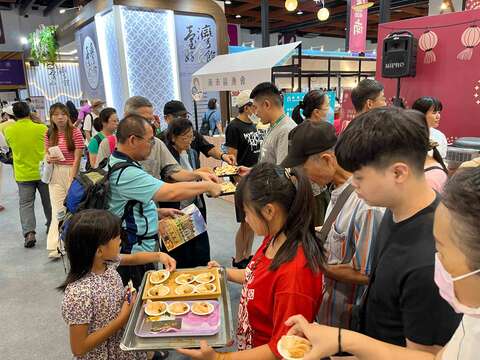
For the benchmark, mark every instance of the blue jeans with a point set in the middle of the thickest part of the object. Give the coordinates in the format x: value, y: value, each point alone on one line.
x: 26, y: 193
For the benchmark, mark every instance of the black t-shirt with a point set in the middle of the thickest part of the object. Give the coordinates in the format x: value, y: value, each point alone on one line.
x: 403, y: 300
x: 199, y: 143
x: 246, y: 139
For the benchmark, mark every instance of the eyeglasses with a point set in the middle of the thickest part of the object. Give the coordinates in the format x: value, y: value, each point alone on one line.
x: 182, y: 114
x: 151, y: 141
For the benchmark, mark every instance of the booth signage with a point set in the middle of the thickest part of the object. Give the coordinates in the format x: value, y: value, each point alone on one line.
x: 358, y: 27
x: 12, y: 73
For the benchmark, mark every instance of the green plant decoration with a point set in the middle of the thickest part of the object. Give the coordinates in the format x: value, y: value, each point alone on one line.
x: 44, y: 45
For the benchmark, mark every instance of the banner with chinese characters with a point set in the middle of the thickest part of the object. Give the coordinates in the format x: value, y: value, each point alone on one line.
x: 196, y: 41
x: 358, y: 27
x: 91, y: 77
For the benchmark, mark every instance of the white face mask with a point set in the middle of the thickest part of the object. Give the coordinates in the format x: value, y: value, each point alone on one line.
x: 445, y: 281
x: 254, y: 118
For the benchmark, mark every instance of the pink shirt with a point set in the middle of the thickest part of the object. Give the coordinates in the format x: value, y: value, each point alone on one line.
x: 436, y: 178
x: 62, y: 144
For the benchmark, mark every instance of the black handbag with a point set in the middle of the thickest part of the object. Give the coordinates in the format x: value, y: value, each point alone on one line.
x: 6, y: 157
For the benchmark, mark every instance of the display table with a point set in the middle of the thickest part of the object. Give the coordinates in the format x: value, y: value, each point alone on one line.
x: 210, y: 162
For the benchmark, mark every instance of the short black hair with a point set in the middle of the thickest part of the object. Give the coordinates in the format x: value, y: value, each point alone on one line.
x: 267, y: 90
x: 28, y: 99
x: 177, y: 127
x: 21, y: 110
x: 425, y: 103
x: 131, y: 125
x: 212, y: 104
x: 380, y: 137
x: 367, y: 89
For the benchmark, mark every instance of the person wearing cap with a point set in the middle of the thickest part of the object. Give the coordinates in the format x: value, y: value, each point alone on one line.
x: 243, y: 141
x: 88, y: 128
x: 174, y: 109
x: 353, y: 232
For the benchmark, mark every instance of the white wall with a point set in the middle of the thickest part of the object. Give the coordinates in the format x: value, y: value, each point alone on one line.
x: 329, y: 43
x: 16, y: 26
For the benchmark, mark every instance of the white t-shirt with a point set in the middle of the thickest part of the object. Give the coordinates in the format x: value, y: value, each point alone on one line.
x: 465, y: 343
x: 88, y: 123
x: 441, y: 139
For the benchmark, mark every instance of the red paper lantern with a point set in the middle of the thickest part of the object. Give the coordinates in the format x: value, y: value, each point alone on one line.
x: 470, y: 39
x: 428, y: 40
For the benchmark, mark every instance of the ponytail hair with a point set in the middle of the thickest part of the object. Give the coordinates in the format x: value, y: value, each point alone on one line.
x: 314, y: 99
x: 290, y: 189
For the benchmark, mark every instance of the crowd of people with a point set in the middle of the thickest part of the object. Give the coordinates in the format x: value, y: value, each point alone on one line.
x: 369, y: 249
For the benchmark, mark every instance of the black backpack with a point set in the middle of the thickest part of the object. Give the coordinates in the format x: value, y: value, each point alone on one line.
x: 205, y: 128
x: 91, y: 190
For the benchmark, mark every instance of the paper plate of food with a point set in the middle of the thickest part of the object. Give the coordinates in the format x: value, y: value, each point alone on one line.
x: 204, y: 278
x: 205, y: 288
x: 184, y: 279
x: 178, y: 308
x: 202, y: 308
x: 158, y: 291
x: 293, y: 347
x: 185, y: 289
x: 155, y: 308
x: 226, y: 170
x: 158, y: 277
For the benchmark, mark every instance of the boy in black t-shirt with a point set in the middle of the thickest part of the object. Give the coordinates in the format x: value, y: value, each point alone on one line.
x: 386, y: 149
x: 243, y: 141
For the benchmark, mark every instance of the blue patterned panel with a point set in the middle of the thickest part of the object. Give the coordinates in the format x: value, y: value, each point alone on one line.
x: 151, y: 62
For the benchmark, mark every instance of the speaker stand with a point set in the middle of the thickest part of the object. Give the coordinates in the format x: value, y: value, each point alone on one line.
x: 397, y: 101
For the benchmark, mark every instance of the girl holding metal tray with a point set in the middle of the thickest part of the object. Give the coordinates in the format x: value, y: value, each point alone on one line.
x: 285, y: 275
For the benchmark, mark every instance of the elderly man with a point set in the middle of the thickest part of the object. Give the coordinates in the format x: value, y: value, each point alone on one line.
x: 160, y: 163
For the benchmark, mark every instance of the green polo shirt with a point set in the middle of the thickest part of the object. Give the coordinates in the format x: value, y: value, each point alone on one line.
x: 26, y: 139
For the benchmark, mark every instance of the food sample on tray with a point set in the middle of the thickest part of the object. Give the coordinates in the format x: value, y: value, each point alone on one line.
x: 158, y: 277
x: 178, y: 230
x: 155, y: 308
x: 185, y: 289
x: 204, y: 278
x: 202, y: 308
x: 158, y: 291
x: 226, y: 170
x: 184, y: 279
x: 293, y: 347
x: 178, y: 308
x: 228, y: 187
x: 205, y: 288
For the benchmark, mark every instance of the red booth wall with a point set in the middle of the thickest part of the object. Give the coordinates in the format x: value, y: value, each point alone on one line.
x: 455, y: 82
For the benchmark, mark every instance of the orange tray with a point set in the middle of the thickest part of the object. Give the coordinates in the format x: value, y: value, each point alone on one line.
x: 171, y: 284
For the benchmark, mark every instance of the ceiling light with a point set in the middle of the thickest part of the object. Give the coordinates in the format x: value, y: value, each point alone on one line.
x: 238, y: 16
x: 323, y: 14
x: 62, y: 11
x: 291, y: 5
x: 23, y: 40
x: 228, y: 2
x: 444, y: 6
x: 299, y: 12
x: 364, y: 6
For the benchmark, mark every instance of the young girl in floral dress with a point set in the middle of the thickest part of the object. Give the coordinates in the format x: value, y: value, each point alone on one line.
x: 95, y: 305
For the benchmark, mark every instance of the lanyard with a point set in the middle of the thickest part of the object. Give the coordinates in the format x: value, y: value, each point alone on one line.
x: 277, y: 122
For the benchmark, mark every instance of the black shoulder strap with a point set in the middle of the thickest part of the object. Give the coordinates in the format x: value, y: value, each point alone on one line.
x: 207, y: 120
x: 120, y: 166
x: 327, y: 225
x: 435, y: 167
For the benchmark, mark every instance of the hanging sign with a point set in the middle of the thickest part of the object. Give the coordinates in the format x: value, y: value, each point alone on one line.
x: 358, y: 27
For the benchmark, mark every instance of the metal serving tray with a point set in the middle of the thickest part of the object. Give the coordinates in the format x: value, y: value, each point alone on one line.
x: 132, y: 342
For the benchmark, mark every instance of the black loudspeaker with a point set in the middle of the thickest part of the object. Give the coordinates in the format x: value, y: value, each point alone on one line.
x: 399, y: 55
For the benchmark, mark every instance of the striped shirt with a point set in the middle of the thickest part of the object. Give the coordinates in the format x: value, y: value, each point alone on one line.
x: 352, y: 237
x: 62, y: 144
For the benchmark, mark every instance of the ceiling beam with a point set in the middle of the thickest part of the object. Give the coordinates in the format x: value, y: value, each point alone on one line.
x: 24, y: 6
x: 52, y: 6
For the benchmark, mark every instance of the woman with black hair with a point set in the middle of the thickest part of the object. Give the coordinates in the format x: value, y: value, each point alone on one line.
x: 432, y: 108
x: 315, y: 106
x: 108, y: 120
x: 436, y: 171
x: 195, y: 252
x: 285, y: 275
x: 72, y: 110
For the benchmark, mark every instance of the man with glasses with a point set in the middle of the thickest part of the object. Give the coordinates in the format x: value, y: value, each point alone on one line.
x: 174, y: 109
x: 160, y: 163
